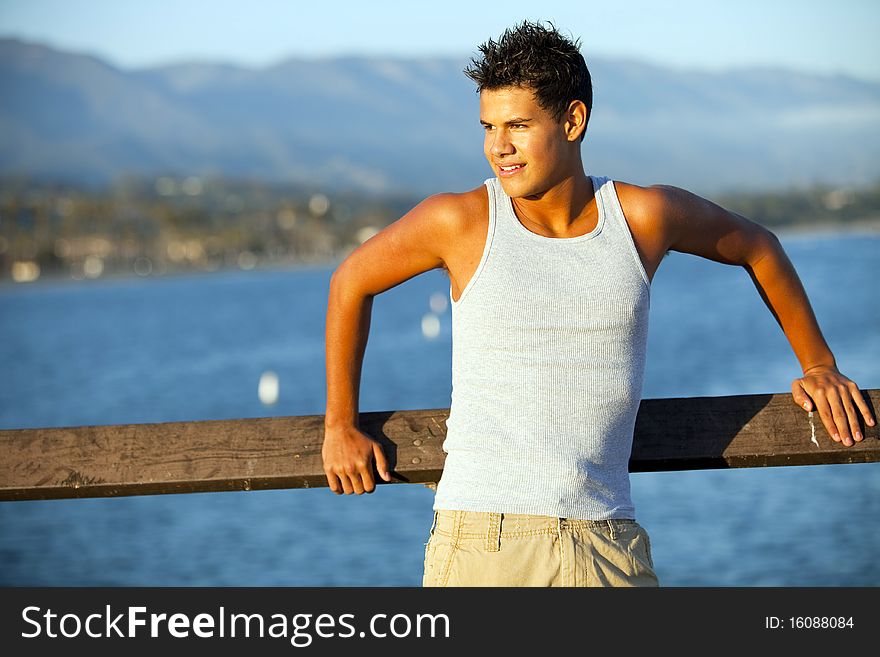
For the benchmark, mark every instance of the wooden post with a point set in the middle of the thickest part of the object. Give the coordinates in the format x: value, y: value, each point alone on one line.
x: 285, y: 452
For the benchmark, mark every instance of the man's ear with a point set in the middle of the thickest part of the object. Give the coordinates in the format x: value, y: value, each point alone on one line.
x: 575, y: 118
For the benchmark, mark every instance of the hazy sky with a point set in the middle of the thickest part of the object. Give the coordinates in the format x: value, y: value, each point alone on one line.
x: 821, y: 36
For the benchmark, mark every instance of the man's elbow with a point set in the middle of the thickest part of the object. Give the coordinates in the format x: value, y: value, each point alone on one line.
x: 338, y: 275
x: 763, y: 244
x: 345, y: 281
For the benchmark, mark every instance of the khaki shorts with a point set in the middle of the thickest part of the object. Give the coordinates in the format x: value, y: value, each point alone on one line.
x: 468, y: 548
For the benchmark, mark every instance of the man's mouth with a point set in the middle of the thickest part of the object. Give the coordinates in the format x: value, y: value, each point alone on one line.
x: 509, y: 170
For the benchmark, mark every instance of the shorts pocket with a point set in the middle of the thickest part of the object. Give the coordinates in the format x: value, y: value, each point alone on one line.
x: 634, y: 539
x: 643, y: 559
x: 438, y: 559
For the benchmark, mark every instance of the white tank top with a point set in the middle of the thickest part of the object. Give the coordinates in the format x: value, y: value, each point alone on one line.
x: 548, y: 354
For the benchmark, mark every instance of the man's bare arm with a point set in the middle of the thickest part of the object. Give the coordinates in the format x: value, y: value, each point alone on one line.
x: 412, y: 245
x: 684, y: 222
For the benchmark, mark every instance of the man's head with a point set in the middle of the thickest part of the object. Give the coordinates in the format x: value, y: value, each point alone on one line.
x: 535, y: 97
x: 534, y: 57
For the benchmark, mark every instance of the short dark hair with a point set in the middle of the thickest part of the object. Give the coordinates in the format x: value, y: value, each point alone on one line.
x: 540, y: 58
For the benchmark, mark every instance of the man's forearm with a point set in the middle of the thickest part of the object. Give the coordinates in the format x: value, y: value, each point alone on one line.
x: 347, y: 331
x: 781, y: 289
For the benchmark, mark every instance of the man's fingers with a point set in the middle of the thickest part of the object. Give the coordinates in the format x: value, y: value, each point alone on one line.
x: 844, y: 414
x: 825, y: 414
x: 341, y: 480
x: 839, y: 403
x: 347, y: 488
x: 356, y: 484
x: 862, y: 404
x: 366, y: 479
x: 841, y: 422
x: 852, y: 417
x: 333, y: 482
x: 800, y: 395
x: 845, y: 417
x: 381, y: 462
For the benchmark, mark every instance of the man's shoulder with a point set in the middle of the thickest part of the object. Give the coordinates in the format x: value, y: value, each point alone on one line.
x: 456, y: 211
x: 459, y: 204
x: 640, y: 202
x: 651, y: 210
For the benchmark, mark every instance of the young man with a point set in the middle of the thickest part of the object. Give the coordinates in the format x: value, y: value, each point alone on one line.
x: 550, y: 273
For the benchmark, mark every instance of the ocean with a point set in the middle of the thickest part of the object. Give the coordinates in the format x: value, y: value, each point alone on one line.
x: 194, y: 347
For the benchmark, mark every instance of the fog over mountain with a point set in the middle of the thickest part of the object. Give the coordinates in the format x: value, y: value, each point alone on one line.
x: 411, y: 125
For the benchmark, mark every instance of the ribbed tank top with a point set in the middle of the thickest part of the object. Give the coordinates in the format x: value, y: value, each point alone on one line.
x: 548, y: 354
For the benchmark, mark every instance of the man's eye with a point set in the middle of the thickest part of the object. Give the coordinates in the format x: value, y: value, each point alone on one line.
x: 518, y: 125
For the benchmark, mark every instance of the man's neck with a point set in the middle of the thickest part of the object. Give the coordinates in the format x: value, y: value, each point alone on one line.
x: 560, y: 210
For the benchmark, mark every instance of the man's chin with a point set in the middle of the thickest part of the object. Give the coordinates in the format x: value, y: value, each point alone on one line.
x: 519, y: 190
x: 513, y: 188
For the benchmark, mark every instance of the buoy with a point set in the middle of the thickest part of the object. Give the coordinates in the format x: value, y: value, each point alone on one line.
x: 438, y: 302
x: 430, y: 326
x: 268, y: 388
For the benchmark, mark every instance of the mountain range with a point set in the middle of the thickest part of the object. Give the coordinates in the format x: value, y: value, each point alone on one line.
x: 383, y: 124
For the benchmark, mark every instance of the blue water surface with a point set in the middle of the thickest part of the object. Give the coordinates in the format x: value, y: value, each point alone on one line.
x: 194, y: 347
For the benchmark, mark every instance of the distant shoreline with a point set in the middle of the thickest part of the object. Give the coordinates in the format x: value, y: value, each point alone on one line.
x: 869, y: 227
x: 55, y: 279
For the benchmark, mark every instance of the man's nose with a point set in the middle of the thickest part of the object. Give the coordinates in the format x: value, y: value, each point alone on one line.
x: 500, y: 143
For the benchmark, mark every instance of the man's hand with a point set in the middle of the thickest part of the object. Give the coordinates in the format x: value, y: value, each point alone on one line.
x: 824, y: 389
x: 348, y: 460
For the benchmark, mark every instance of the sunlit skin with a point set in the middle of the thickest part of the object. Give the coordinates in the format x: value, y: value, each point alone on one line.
x: 552, y: 196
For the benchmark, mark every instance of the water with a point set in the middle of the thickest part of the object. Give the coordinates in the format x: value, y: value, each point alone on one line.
x: 193, y: 348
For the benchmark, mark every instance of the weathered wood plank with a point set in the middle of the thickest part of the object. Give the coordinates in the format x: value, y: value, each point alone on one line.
x: 739, y: 432
x: 285, y: 452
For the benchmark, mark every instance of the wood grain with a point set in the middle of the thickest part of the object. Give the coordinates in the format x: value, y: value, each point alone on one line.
x: 285, y: 452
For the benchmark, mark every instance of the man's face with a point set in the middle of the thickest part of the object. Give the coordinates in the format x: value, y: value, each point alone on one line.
x: 526, y: 148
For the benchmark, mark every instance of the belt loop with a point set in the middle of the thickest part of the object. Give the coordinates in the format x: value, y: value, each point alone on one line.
x: 493, y: 533
x: 611, y: 529
x: 456, y: 525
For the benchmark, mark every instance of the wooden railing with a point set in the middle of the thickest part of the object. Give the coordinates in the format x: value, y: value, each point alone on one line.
x: 285, y: 452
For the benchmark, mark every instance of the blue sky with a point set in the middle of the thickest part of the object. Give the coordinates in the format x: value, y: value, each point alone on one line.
x: 709, y: 34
